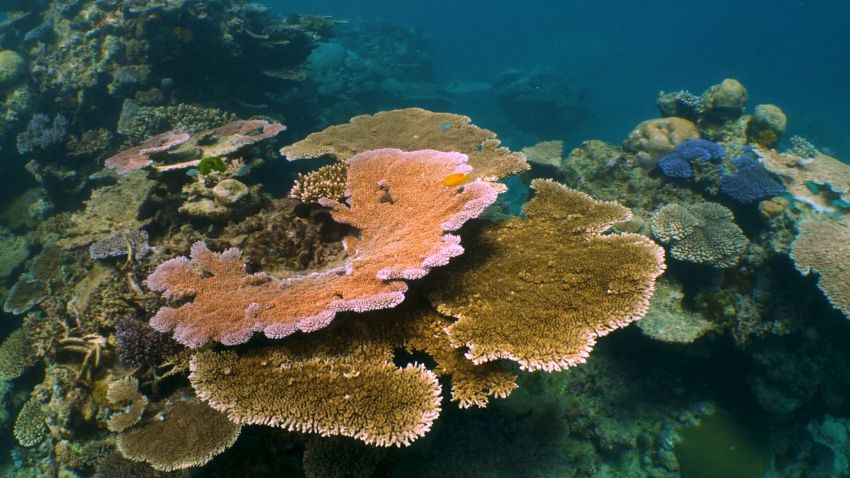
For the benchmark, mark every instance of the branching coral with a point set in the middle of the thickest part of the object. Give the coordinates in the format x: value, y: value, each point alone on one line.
x: 185, y: 433
x: 409, y: 130
x: 326, y: 182
x: 403, y: 213
x: 677, y: 163
x: 541, y: 290
x: 751, y: 182
x: 824, y: 247
x: 703, y: 233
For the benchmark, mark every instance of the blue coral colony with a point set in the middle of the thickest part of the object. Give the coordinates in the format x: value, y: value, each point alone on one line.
x: 237, y: 243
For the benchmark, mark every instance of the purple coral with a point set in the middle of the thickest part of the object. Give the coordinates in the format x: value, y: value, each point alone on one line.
x: 121, y: 243
x: 751, y: 182
x: 139, y: 344
x: 677, y: 163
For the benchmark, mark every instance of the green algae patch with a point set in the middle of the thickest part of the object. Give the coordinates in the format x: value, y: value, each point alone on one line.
x: 722, y: 447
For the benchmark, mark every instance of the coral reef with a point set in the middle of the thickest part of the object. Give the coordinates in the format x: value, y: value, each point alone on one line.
x: 703, y: 233
x: 678, y: 162
x: 125, y: 393
x: 547, y: 153
x: 402, y: 225
x: 16, y: 355
x: 551, y: 284
x: 821, y: 181
x: 724, y: 100
x: 668, y: 320
x: 132, y: 243
x: 751, y: 182
x: 326, y: 182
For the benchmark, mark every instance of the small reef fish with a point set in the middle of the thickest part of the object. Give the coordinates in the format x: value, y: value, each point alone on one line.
x: 457, y: 179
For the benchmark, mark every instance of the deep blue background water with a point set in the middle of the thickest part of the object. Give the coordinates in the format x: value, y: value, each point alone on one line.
x: 789, y: 52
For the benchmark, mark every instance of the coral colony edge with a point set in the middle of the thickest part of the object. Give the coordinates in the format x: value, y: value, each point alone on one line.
x: 250, y: 277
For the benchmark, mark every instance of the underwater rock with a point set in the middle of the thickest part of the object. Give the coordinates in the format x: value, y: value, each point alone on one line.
x: 833, y: 434
x: 725, y: 101
x: 653, y: 138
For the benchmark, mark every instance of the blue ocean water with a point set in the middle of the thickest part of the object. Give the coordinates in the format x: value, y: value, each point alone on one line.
x: 254, y: 240
x: 788, y: 52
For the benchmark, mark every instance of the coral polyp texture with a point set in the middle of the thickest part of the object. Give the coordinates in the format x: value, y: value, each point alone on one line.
x: 412, y: 129
x: 541, y: 290
x: 402, y: 211
x: 371, y: 400
x: 183, y: 434
x: 180, y: 148
x: 824, y: 247
x: 703, y: 233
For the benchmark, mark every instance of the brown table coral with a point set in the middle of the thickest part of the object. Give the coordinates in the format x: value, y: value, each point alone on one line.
x: 540, y: 290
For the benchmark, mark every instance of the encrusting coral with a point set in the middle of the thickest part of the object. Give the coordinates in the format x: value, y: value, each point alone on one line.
x: 703, y: 233
x: 183, y: 434
x: 402, y: 223
x: 412, y: 129
x: 541, y: 290
x: 824, y: 247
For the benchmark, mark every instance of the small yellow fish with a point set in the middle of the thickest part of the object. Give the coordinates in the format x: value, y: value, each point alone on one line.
x: 458, y: 179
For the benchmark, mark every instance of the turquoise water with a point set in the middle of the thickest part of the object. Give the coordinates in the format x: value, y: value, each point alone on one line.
x: 430, y: 239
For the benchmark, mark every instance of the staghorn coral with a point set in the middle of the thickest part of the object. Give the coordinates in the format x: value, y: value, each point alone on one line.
x: 30, y: 426
x: 16, y: 355
x: 184, y: 434
x: 402, y: 223
x: 182, y: 149
x: 703, y: 233
x: 409, y: 130
x: 326, y: 182
x: 824, y: 247
x: 822, y: 181
x: 539, y: 291
x: 344, y: 394
x: 124, y: 392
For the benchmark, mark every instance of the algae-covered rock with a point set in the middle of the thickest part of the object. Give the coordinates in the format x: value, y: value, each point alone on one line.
x: 229, y: 192
x: 12, y: 68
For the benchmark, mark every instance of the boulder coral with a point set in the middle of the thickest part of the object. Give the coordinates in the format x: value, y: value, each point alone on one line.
x: 403, y: 213
x: 540, y: 290
x: 653, y: 138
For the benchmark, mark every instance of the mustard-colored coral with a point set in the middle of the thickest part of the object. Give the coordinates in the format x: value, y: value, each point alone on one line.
x: 703, y: 233
x: 368, y: 399
x: 125, y: 392
x: 541, y: 290
x: 186, y: 433
x: 326, y: 182
x: 16, y: 355
x: 412, y: 129
x: 824, y: 247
